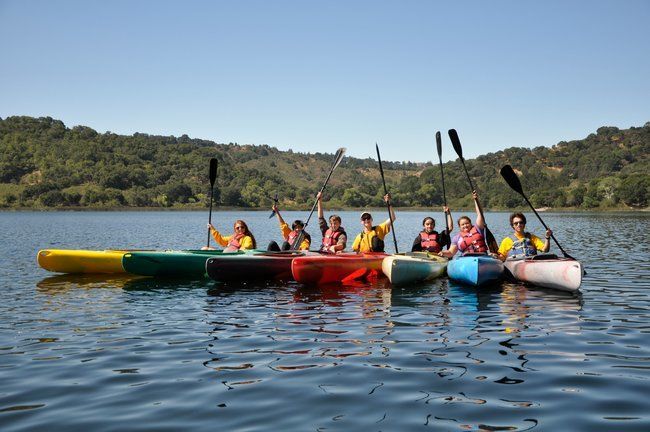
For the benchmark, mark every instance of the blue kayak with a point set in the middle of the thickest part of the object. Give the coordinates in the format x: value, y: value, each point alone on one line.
x: 475, y: 270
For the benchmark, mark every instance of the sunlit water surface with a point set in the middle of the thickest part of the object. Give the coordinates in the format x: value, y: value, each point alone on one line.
x: 119, y: 353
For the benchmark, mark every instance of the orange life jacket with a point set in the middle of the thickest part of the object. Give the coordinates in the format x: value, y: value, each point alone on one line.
x: 331, y: 238
x: 472, y: 242
x: 234, y: 242
x: 430, y: 242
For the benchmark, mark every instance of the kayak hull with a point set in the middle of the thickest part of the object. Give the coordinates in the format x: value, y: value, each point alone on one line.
x: 81, y: 261
x: 244, y: 267
x: 187, y: 263
x: 475, y: 270
x: 557, y: 273
x: 339, y: 268
x: 413, y: 267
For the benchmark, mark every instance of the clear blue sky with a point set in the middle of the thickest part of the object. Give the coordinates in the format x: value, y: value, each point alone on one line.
x: 316, y: 75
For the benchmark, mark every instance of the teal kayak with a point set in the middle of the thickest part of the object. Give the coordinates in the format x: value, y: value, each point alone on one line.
x: 185, y: 263
x: 475, y: 270
x: 413, y: 267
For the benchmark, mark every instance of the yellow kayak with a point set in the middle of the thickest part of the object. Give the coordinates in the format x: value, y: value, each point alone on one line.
x: 81, y: 261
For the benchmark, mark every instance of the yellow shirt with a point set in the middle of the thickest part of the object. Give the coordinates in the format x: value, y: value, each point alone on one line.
x: 245, y: 242
x: 506, y: 244
x: 363, y: 241
x: 304, y: 244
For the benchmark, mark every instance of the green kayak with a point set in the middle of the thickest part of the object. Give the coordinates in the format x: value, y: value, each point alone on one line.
x: 185, y: 263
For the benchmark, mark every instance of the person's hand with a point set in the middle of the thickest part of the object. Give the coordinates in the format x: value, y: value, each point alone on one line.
x: 445, y: 209
x: 275, y: 208
x: 474, y: 194
x: 210, y: 226
x: 387, y: 198
x: 549, y: 233
x: 319, y: 196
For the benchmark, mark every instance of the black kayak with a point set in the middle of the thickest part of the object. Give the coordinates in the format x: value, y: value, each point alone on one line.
x: 261, y: 266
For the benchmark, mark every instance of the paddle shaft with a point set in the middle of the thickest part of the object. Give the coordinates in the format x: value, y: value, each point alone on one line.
x: 442, y: 172
x: 213, y: 177
x: 383, y: 180
x: 301, y: 235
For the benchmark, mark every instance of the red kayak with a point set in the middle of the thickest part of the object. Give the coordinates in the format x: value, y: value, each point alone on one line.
x: 322, y: 269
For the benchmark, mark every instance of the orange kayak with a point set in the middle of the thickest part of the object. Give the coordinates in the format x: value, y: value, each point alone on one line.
x: 322, y: 269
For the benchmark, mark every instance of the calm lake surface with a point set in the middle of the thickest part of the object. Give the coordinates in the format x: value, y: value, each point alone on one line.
x: 125, y: 354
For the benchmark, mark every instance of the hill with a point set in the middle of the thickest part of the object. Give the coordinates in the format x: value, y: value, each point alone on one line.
x: 44, y: 164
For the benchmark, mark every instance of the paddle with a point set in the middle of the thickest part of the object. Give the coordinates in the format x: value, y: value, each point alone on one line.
x: 213, y: 177
x: 338, y: 157
x: 275, y: 201
x: 511, y: 178
x: 383, y: 180
x: 442, y: 176
x: 455, y: 141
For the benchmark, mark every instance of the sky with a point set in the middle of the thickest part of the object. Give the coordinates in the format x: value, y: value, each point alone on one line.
x: 313, y: 76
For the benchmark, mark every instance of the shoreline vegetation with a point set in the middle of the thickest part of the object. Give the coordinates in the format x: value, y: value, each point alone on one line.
x: 45, y: 165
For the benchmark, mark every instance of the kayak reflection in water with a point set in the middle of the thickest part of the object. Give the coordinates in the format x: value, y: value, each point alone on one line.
x: 371, y: 239
x: 430, y: 240
x: 290, y: 234
x: 471, y: 238
x: 524, y: 243
x: 242, y: 239
x: 334, y: 236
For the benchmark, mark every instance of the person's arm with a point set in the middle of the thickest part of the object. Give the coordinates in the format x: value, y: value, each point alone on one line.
x: 547, y: 243
x: 319, y: 199
x: 340, y: 243
x: 216, y: 235
x: 448, y: 218
x: 246, y: 243
x: 417, y: 244
x: 449, y: 253
x: 390, y: 209
x: 544, y: 246
x: 504, y: 248
x: 480, y: 222
x: 356, y: 245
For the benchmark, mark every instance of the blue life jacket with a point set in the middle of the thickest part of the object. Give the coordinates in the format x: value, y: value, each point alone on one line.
x: 523, y: 247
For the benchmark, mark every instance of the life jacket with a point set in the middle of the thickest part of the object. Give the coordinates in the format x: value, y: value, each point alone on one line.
x: 331, y: 238
x: 376, y: 244
x: 234, y: 242
x: 523, y: 247
x: 293, y: 235
x: 430, y: 242
x: 472, y: 242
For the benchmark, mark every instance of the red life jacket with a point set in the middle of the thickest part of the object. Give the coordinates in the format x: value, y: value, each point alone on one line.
x: 331, y: 238
x: 472, y: 242
x: 291, y: 238
x: 234, y: 242
x: 430, y: 242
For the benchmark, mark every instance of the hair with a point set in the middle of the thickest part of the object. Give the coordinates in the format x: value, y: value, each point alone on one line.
x: 428, y: 218
x: 336, y: 218
x: 464, y: 217
x: 297, y: 223
x: 247, y: 231
x: 519, y: 215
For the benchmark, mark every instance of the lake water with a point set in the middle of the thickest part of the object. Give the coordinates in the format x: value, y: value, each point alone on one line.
x: 121, y: 354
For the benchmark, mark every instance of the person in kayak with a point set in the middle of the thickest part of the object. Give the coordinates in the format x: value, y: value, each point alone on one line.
x: 290, y: 234
x: 430, y: 240
x: 522, y: 243
x: 334, y: 236
x: 371, y: 239
x: 242, y: 239
x: 471, y: 238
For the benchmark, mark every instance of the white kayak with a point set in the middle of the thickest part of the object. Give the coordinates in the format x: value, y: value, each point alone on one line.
x: 413, y: 267
x: 547, y: 271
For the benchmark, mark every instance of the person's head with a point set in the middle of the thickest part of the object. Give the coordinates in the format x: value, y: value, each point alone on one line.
x: 297, y: 225
x: 241, y: 227
x: 518, y: 221
x: 429, y: 224
x: 464, y: 223
x: 366, y: 219
x: 335, y: 222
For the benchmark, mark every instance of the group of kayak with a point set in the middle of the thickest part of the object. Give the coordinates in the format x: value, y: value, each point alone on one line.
x: 471, y: 256
x: 467, y: 259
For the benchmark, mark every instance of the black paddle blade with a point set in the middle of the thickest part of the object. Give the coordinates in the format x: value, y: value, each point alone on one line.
x: 439, y: 145
x: 455, y: 141
x: 213, y: 171
x: 338, y: 157
x: 511, y: 178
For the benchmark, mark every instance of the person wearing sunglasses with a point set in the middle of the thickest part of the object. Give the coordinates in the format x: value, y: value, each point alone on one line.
x: 241, y: 239
x: 334, y: 235
x: 290, y: 234
x: 430, y: 240
x: 371, y: 239
x: 522, y: 243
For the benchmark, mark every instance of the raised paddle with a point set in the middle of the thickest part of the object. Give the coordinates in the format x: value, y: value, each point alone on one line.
x: 383, y: 180
x: 275, y: 201
x: 511, y: 178
x: 442, y: 177
x: 213, y: 177
x: 338, y: 157
x: 455, y: 141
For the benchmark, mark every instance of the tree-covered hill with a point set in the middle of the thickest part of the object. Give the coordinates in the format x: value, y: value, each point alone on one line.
x: 44, y: 164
